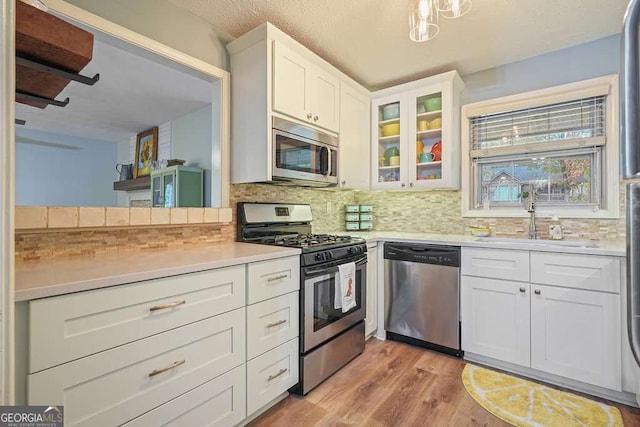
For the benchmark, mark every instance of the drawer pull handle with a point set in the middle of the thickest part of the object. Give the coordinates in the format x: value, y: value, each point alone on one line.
x: 168, y: 368
x: 282, y: 276
x: 166, y: 306
x: 273, y: 377
x: 522, y: 289
x: 280, y: 322
x: 537, y: 292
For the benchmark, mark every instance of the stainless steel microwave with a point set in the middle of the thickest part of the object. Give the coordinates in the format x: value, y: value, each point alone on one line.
x: 303, y: 155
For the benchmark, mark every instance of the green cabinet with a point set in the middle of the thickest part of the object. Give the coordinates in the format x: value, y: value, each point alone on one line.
x: 176, y: 187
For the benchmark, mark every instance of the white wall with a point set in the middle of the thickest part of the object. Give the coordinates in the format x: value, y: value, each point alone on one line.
x: 585, y: 61
x: 191, y: 141
x: 167, y: 24
x: 53, y: 176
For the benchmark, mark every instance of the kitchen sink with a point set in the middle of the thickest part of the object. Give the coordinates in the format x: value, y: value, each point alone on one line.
x: 527, y: 242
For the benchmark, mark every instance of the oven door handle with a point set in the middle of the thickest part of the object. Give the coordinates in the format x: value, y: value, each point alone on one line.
x: 323, y: 270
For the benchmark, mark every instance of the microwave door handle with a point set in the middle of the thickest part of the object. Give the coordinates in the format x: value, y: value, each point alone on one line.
x: 329, y: 171
x: 324, y: 160
x: 630, y: 88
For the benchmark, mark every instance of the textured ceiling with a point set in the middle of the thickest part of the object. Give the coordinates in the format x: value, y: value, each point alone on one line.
x: 368, y: 39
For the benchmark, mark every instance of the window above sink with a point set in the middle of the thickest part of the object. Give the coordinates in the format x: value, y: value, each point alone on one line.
x: 559, y: 143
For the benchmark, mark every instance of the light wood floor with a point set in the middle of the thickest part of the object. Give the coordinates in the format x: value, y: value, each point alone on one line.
x: 393, y: 384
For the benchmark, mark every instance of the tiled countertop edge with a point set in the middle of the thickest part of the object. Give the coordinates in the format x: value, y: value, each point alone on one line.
x: 59, y: 218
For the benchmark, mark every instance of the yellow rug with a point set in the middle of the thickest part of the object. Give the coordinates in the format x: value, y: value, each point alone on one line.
x: 524, y: 403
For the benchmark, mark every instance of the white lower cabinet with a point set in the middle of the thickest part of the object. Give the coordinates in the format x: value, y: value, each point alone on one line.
x: 207, y: 348
x: 570, y: 327
x: 117, y: 385
x: 271, y: 374
x: 371, y: 319
x: 576, y: 334
x: 219, y: 402
x: 495, y: 319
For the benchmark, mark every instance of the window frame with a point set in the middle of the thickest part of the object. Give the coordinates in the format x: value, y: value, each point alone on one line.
x: 610, y: 175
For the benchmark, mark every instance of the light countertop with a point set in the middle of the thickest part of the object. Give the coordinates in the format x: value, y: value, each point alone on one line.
x: 56, y: 277
x: 603, y: 248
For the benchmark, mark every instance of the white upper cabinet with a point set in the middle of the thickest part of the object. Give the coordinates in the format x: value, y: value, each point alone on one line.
x: 274, y: 76
x: 303, y: 90
x: 416, y: 134
x: 355, y: 108
x: 291, y: 83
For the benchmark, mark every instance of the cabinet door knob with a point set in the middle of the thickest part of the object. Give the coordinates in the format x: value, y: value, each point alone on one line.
x: 411, y: 184
x: 522, y: 290
x: 537, y: 292
x: 402, y: 185
x: 315, y: 119
x: 344, y: 182
x: 309, y: 116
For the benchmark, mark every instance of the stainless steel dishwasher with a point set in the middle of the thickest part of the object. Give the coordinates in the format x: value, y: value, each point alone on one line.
x: 422, y: 295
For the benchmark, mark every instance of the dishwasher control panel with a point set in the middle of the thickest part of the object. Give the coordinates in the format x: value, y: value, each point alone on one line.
x: 424, y: 254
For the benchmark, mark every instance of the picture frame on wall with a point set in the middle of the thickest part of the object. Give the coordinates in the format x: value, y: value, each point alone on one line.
x: 146, y: 152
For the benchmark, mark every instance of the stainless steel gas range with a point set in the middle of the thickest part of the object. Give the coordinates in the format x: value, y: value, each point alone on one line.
x: 329, y: 338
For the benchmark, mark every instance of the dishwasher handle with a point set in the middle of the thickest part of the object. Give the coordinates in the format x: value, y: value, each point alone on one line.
x: 425, y: 254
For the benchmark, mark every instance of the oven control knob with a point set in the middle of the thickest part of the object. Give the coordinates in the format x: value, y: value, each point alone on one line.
x: 319, y: 256
x: 329, y: 255
x: 351, y: 251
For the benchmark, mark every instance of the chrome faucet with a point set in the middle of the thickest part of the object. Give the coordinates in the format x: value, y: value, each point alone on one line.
x: 531, y: 208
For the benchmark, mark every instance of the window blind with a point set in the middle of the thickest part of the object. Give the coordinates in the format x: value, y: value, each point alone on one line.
x: 566, y: 125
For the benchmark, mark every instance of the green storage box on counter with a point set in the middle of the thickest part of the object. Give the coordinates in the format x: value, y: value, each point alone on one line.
x: 358, y: 217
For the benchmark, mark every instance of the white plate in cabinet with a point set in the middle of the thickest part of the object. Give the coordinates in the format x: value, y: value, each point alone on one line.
x: 271, y: 323
x: 496, y: 263
x: 268, y: 279
x: 576, y: 334
x: 71, y: 326
x: 271, y: 374
x: 590, y: 272
x: 219, y: 402
x: 117, y: 385
x: 495, y: 319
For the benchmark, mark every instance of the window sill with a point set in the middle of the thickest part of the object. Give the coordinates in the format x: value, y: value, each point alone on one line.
x: 543, y: 213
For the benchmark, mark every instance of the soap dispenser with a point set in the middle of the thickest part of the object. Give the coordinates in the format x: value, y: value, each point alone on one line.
x: 555, y: 229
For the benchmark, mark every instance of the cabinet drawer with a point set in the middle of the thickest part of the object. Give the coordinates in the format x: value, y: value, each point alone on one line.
x: 68, y: 327
x: 271, y: 323
x: 496, y: 263
x: 221, y: 402
x: 591, y: 272
x: 268, y: 279
x: 271, y: 374
x: 117, y: 385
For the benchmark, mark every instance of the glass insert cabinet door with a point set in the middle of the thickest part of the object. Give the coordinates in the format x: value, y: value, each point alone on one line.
x: 163, y: 191
x: 429, y: 141
x: 389, y: 151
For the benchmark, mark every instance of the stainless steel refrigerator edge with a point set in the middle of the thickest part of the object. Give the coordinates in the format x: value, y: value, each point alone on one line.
x: 630, y: 164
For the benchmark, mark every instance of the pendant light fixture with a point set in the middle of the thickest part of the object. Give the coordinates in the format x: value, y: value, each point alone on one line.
x: 423, y: 20
x: 453, y: 8
x: 424, y: 15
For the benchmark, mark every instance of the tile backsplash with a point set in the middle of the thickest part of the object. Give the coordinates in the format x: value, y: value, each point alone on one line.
x: 412, y: 211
